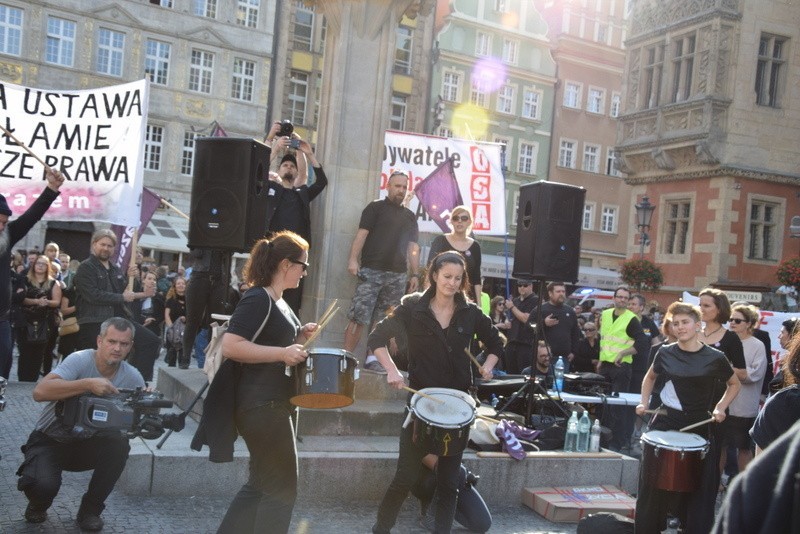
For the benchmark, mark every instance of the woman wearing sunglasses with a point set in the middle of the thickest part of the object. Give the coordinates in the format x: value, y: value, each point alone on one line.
x: 460, y: 241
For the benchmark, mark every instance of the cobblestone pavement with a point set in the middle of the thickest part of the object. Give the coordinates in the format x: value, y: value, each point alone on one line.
x: 188, y: 514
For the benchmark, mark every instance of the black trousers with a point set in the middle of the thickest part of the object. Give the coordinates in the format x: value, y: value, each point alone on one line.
x: 206, y: 293
x: 46, y: 459
x: 620, y: 378
x: 146, y: 346
x: 409, y: 470
x: 471, y: 510
x: 265, y: 502
x: 31, y: 356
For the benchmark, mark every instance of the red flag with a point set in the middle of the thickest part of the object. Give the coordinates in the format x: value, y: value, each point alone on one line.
x: 150, y: 201
x: 438, y: 193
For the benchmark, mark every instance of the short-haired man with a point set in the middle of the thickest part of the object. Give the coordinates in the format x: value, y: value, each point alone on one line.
x: 386, y: 242
x: 561, y: 329
x: 619, y: 331
x: 52, y: 448
x: 519, y: 349
x: 100, y: 287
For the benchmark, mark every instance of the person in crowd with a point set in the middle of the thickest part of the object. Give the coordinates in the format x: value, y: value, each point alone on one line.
x: 439, y: 325
x: 789, y: 328
x: 52, y: 448
x: 174, y: 313
x: 54, y: 318
x: 151, y: 312
x: 498, y: 313
x: 639, y: 366
x: 560, y: 331
x: 162, y: 280
x: 386, y: 243
x: 459, y: 240
x: 30, y: 258
x: 620, y: 332
x: 716, y: 310
x: 42, y: 299
x: 542, y: 367
x: 262, y: 350
x: 519, y: 349
x: 17, y: 262
x: 289, y: 202
x: 101, y: 293
x: 10, y: 234
x: 744, y: 408
x: 68, y: 343
x: 66, y: 273
x: 692, y: 373
x: 668, y: 336
x: 587, y: 355
x: 790, y: 293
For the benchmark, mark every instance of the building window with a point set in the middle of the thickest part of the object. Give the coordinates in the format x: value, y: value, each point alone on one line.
x: 483, y: 44
x: 653, y: 69
x: 505, y: 99
x: 205, y: 8
x: 588, y: 216
x: 10, y: 30
x: 682, y: 68
x: 397, y: 121
x: 298, y: 95
x: 153, y: 143
x: 247, y: 13
x: 597, y: 100
x: 566, y: 154
x: 763, y: 230
x: 201, y: 70
x: 591, y: 158
x: 445, y: 132
x: 611, y: 155
x: 162, y: 3
x: 510, y: 51
x: 532, y: 104
x: 303, y: 27
x: 572, y: 95
x: 156, y: 61
x: 479, y: 95
x: 451, y: 82
x: 770, y: 70
x: 505, y: 151
x: 601, y: 33
x: 110, y: 50
x: 676, y: 226
x: 60, y: 48
x: 243, y: 80
x: 608, y: 220
x: 187, y: 153
x: 501, y: 6
x: 526, y: 162
x: 616, y: 102
x: 402, y: 50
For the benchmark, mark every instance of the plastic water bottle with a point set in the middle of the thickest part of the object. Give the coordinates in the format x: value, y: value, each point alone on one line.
x: 571, y: 439
x: 584, y: 427
x: 559, y: 372
x: 494, y: 400
x: 594, y: 441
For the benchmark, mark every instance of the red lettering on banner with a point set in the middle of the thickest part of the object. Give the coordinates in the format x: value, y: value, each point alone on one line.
x: 480, y: 163
x: 482, y: 216
x: 480, y: 190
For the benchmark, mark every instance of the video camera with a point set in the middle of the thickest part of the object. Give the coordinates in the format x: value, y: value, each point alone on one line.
x: 132, y: 413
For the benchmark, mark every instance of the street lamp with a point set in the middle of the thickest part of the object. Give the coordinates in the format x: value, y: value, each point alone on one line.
x: 644, y: 214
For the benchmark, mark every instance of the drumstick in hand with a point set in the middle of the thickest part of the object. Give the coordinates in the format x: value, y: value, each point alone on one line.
x: 328, y: 311
x: 320, y: 326
x: 474, y: 359
x: 701, y: 423
x: 421, y: 394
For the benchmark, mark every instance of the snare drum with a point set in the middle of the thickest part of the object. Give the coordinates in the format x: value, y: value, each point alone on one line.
x: 443, y: 427
x: 673, y: 461
x: 325, y: 380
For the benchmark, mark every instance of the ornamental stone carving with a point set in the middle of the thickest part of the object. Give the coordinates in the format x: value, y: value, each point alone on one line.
x: 649, y: 15
x: 705, y: 153
x: 662, y: 159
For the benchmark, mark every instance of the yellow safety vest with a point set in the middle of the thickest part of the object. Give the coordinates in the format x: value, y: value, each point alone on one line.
x: 614, y: 337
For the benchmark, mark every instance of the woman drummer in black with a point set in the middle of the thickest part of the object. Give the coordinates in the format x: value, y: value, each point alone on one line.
x: 439, y: 325
x: 693, y: 375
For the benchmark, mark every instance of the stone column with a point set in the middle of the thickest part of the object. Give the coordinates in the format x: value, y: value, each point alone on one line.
x: 354, y: 113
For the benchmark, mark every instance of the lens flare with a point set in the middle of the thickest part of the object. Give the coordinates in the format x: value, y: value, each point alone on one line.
x: 491, y: 73
x: 470, y: 122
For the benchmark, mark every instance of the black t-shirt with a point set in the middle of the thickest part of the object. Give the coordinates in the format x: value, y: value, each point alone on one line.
x: 472, y: 257
x: 289, y: 214
x: 177, y: 307
x: 643, y: 344
x: 263, y: 382
x: 563, y: 338
x: 584, y: 356
x: 731, y: 346
x: 391, y: 228
x: 522, y: 332
x: 696, y: 377
x: 779, y: 413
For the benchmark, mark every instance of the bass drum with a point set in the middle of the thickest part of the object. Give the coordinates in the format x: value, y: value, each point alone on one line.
x: 326, y: 380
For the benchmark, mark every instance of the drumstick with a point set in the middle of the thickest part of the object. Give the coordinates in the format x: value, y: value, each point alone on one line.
x: 701, y: 423
x: 487, y: 418
x: 28, y: 150
x: 320, y: 326
x: 421, y: 394
x: 474, y: 359
x: 328, y: 311
x: 656, y: 412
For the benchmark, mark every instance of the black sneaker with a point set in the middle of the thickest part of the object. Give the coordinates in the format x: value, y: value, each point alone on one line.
x: 89, y: 522
x: 33, y: 515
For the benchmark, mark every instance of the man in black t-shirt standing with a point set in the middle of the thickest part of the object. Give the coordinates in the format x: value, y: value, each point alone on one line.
x: 386, y: 243
x: 519, y: 349
x: 561, y: 329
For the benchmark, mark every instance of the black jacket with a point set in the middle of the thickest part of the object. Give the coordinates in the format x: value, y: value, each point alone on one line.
x: 436, y: 355
x: 217, y: 427
x: 307, y: 194
x: 99, y: 292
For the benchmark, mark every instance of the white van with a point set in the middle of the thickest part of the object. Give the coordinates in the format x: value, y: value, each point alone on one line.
x: 589, y: 296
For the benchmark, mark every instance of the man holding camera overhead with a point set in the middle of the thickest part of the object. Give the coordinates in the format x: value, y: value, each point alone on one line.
x: 289, y: 201
x: 53, y: 447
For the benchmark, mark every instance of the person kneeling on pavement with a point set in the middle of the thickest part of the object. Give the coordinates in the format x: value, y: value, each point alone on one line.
x: 52, y: 447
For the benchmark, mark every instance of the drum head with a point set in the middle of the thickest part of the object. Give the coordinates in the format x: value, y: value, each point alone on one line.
x: 451, y: 409
x: 674, y: 440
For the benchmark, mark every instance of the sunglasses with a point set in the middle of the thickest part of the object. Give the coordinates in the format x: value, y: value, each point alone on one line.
x: 590, y: 329
x: 298, y: 262
x: 523, y: 285
x: 460, y: 218
x: 738, y: 321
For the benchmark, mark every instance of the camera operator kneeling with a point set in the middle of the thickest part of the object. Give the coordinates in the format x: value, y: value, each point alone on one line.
x: 52, y: 447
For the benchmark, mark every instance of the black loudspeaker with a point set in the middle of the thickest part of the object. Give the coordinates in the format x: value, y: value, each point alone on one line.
x: 229, y: 189
x: 548, y: 243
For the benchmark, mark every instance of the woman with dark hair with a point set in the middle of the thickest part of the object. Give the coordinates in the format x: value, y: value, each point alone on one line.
x: 262, y: 389
x: 439, y: 325
x: 498, y: 313
x: 42, y: 297
x: 715, y: 309
x: 460, y: 241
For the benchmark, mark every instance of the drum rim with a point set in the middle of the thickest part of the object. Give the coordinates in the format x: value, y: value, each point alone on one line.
x: 454, y: 393
x: 322, y: 351
x: 673, y: 446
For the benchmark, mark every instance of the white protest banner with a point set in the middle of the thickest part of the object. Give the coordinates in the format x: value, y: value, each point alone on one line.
x: 95, y: 137
x: 477, y: 169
